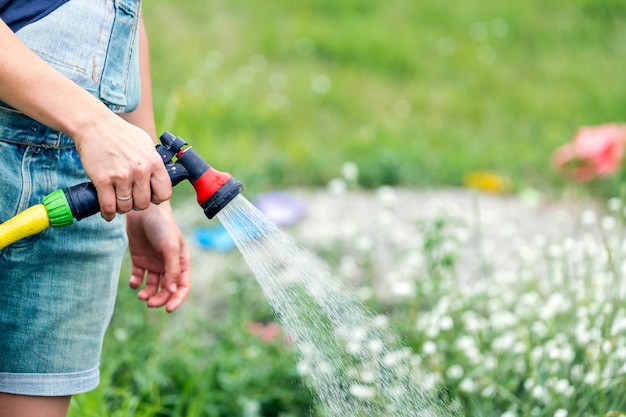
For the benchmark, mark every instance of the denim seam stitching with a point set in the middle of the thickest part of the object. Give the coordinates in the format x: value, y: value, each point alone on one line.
x: 39, y: 145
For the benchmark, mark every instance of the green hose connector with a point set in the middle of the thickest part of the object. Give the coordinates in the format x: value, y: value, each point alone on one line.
x: 58, y: 209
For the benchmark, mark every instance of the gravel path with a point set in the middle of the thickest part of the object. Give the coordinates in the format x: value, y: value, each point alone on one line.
x: 493, y: 224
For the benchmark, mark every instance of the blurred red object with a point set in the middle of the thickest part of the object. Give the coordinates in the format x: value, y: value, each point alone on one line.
x: 595, y: 151
x: 267, y: 332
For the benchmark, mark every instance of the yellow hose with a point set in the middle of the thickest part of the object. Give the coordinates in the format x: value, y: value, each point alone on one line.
x: 30, y: 221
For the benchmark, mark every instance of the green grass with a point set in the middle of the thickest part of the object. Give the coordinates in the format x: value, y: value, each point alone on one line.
x: 420, y: 93
x: 417, y: 94
x: 541, y: 335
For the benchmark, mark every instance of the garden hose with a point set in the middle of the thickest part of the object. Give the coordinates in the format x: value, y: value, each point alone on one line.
x: 32, y: 220
x: 214, y: 190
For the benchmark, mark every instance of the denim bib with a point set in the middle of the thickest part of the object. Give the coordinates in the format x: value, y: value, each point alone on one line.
x: 94, y: 44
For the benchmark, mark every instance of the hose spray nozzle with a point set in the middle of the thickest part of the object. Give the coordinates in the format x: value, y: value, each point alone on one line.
x: 214, y: 190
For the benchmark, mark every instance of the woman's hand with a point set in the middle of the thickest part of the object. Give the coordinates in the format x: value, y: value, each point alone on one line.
x: 159, y: 256
x: 123, y: 165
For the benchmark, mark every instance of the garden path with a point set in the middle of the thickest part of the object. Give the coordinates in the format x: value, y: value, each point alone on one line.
x: 488, y: 226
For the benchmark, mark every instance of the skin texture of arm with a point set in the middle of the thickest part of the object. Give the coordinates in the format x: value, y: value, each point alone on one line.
x: 117, y: 156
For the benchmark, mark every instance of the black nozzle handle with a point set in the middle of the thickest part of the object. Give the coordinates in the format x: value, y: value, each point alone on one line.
x: 177, y: 172
x: 82, y: 200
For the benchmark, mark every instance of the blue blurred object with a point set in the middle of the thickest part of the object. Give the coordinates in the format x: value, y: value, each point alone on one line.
x: 214, y: 238
x: 281, y: 208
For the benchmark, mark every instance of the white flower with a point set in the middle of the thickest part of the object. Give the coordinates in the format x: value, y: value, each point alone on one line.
x: 589, y: 217
x: 455, y: 372
x: 429, y: 347
x: 368, y: 377
x: 561, y: 412
x: 381, y: 321
x: 375, y: 345
x: 540, y: 393
x: 394, y: 357
x: 303, y: 368
x: 562, y: 386
x: 353, y: 348
x: 362, y: 392
x: 337, y: 186
x: 350, y: 171
x: 468, y: 385
x: 490, y: 363
x: 529, y: 384
x: 591, y: 378
x: 489, y: 392
x: 387, y: 195
x: 465, y: 343
x: 403, y: 289
x: 608, y: 223
x: 614, y: 204
x: 446, y: 323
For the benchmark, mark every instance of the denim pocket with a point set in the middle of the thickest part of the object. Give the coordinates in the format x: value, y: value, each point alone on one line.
x: 120, y: 86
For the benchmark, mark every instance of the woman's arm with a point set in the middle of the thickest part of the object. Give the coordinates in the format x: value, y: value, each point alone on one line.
x: 118, y: 157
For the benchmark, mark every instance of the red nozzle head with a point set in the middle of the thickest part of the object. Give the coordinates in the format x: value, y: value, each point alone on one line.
x: 210, y: 183
x: 216, y: 191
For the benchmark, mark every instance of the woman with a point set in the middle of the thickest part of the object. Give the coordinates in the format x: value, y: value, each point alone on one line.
x: 75, y: 105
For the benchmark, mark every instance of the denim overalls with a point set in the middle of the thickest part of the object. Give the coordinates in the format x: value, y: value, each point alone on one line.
x: 57, y: 288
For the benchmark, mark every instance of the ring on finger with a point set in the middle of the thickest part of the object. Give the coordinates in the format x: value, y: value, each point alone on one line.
x: 124, y: 198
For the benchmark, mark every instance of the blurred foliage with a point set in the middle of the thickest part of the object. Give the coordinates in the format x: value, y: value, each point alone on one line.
x: 416, y: 93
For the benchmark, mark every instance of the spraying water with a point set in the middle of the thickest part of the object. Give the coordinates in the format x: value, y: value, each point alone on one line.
x: 352, y: 360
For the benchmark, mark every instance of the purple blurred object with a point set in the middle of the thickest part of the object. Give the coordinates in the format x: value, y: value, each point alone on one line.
x: 281, y: 208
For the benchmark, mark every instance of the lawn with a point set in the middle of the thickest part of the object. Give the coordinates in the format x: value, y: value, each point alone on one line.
x: 416, y: 94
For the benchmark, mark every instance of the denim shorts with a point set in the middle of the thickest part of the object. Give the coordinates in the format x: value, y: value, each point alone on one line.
x: 58, y: 288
